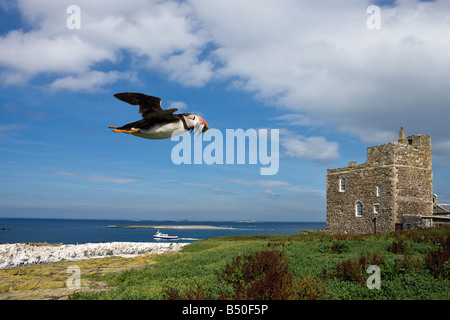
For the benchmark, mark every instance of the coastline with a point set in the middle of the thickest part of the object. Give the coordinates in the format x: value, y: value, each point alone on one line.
x: 193, y: 227
x: 23, y: 254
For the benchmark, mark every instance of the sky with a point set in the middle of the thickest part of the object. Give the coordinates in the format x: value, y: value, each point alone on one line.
x: 333, y: 77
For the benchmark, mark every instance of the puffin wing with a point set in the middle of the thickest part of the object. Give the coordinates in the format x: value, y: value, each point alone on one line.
x: 147, y: 104
x: 161, y: 116
x: 156, y: 118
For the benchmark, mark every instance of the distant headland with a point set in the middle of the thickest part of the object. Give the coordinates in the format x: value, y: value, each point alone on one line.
x: 172, y: 227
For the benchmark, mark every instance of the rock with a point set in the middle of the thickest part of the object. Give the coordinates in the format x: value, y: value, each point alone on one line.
x: 19, y: 254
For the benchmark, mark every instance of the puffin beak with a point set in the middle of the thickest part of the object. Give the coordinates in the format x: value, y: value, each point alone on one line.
x: 205, y: 124
x: 198, y: 128
x: 201, y: 127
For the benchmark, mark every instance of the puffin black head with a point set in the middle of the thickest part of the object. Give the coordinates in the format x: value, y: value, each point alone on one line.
x: 196, y: 123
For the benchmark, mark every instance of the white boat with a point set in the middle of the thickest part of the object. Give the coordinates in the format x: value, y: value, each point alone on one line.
x: 164, y: 236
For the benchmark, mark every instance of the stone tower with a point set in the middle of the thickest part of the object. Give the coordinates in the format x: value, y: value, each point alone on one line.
x: 396, y: 180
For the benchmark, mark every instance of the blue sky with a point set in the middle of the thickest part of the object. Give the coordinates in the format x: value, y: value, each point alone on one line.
x: 312, y: 69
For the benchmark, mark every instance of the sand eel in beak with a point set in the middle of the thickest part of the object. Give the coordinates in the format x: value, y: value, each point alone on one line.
x: 158, y: 123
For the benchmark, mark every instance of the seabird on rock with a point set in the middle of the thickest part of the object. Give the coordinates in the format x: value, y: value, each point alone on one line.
x: 158, y: 123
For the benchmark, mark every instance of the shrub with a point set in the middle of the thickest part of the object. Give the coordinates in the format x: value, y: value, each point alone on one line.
x: 339, y: 247
x: 279, y: 244
x: 336, y: 247
x: 407, y: 264
x: 398, y: 247
x: 310, y: 288
x: 351, y: 271
x: 354, y: 270
x: 264, y: 275
x: 433, y: 235
x: 437, y: 261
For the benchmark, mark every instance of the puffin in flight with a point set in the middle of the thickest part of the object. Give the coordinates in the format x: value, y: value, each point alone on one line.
x: 157, y: 123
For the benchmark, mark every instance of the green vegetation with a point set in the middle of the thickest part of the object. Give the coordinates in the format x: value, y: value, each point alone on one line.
x: 312, y: 265
x: 48, y: 281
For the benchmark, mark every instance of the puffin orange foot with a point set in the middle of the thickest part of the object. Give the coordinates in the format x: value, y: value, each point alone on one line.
x: 113, y: 127
x: 126, y: 131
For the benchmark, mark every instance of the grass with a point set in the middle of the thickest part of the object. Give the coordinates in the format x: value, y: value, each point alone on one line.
x: 413, y: 265
x: 48, y: 281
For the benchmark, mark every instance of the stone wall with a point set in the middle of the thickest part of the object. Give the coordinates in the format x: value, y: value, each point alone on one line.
x: 414, y: 222
x: 362, y: 182
x: 414, y: 177
x: 414, y: 191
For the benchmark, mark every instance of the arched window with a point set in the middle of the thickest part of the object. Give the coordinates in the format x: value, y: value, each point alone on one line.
x: 378, y: 191
x: 358, y: 209
x: 342, y: 184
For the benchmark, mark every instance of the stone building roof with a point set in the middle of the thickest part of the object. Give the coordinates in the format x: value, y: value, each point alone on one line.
x: 441, y: 209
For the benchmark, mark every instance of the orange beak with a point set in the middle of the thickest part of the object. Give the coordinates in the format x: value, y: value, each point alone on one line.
x: 205, y: 128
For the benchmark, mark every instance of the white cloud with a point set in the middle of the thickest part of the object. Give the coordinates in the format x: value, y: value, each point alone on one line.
x: 268, y: 186
x: 441, y: 152
x: 271, y: 194
x: 159, y: 35
x: 221, y: 192
x: 97, y: 178
x: 37, y: 51
x: 319, y: 59
x: 10, y: 130
x: 315, y: 58
x: 10, y: 127
x: 442, y: 146
x: 315, y: 148
x: 91, y: 81
x: 196, y: 184
x: 262, y: 183
x: 180, y: 105
x: 300, y: 120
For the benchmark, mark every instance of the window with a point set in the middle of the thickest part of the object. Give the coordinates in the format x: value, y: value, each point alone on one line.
x: 358, y: 209
x: 376, y: 208
x: 378, y: 190
x: 342, y: 184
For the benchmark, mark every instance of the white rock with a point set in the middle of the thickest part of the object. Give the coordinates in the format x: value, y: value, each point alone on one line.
x: 19, y: 254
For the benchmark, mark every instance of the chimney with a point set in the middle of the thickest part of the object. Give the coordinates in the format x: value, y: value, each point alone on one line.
x: 401, y: 137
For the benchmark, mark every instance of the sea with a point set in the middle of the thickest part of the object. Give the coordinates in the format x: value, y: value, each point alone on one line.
x: 78, y: 231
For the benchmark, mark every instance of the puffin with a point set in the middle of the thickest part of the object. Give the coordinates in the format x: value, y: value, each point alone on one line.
x: 157, y: 123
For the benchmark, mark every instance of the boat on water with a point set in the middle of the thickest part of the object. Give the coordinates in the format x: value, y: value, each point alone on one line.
x: 164, y: 236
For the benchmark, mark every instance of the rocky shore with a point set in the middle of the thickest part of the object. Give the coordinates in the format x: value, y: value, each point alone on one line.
x: 21, y: 254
